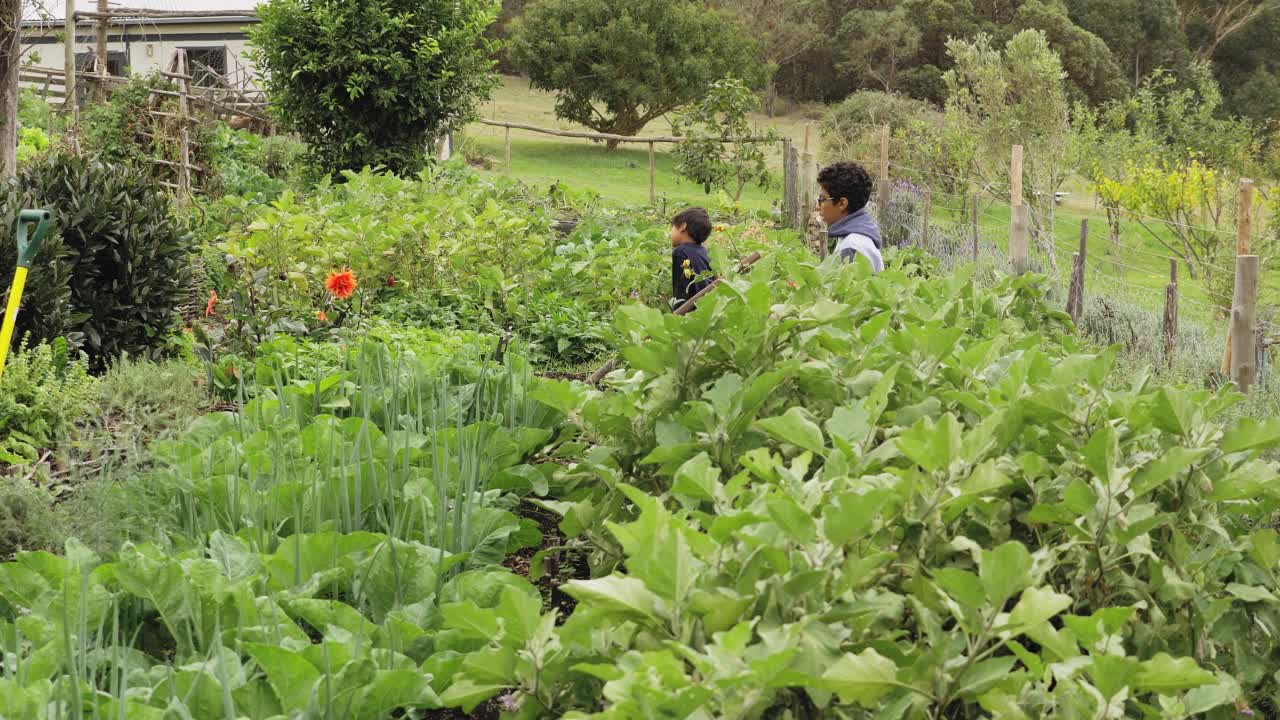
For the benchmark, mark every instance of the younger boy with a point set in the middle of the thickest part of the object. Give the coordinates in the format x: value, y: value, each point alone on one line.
x: 844, y: 189
x: 690, y: 264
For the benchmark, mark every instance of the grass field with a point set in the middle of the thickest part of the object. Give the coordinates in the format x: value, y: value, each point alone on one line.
x: 1138, y: 265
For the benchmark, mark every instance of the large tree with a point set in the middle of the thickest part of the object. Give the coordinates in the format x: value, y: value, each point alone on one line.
x: 1210, y: 22
x: 783, y: 28
x: 370, y: 83
x: 616, y: 66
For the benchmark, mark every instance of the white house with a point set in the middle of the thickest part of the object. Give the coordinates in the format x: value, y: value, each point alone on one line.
x: 214, y: 43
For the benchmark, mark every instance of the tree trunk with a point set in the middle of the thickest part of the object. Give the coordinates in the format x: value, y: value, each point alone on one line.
x: 10, y: 60
x: 626, y: 123
x: 771, y: 96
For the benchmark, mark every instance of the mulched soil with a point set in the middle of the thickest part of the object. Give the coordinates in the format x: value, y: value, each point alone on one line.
x: 554, y: 375
x: 560, y: 567
x: 488, y: 711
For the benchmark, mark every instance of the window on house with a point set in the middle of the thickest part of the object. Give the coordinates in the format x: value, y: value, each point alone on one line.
x: 117, y: 63
x: 208, y: 65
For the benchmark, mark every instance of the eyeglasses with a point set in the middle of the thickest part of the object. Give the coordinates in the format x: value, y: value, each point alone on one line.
x: 821, y: 200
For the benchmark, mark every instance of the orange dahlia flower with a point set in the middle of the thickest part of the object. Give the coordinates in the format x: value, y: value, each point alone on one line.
x: 342, y: 284
x: 321, y: 316
x: 213, y: 303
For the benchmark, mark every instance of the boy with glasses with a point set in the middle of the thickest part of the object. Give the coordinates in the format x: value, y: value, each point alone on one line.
x: 844, y: 189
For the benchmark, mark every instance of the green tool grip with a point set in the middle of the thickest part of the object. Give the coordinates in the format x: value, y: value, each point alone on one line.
x: 29, y: 247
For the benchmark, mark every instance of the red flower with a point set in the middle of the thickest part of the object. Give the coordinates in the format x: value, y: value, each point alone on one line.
x: 391, y: 281
x: 213, y: 302
x: 321, y: 316
x: 342, y: 284
x: 793, y: 284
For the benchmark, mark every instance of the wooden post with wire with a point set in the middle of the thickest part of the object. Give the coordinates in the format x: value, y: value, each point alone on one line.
x: 1244, y: 231
x: 1075, y: 294
x: 184, y: 129
x: 1018, y: 215
x: 884, y: 191
x: 1244, y: 355
x: 507, y: 171
x: 653, y: 185
x: 1170, y: 325
x: 788, y: 184
x: 975, y: 227
x: 925, y: 219
x: 797, y: 204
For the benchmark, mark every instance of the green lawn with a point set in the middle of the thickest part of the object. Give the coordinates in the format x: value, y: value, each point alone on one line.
x: 1139, y: 266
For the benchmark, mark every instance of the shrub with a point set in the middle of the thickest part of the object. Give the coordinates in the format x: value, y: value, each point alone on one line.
x: 370, y: 83
x: 129, y: 257
x: 851, y: 130
x: 27, y: 520
x: 616, y: 66
x: 46, y: 302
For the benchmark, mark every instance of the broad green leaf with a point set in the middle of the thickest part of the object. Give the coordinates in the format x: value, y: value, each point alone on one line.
x: 467, y: 695
x: 1164, y: 468
x: 1251, y: 434
x: 795, y: 427
x: 1100, y: 455
x: 1005, y: 572
x: 1112, y: 673
x: 1166, y: 675
x: 982, y: 676
x: 852, y: 515
x: 291, y: 675
x: 697, y: 479
x: 395, y: 689
x: 794, y: 521
x: 863, y: 678
x: 1037, y: 605
x: 963, y: 586
x: 932, y: 445
x: 1251, y: 593
x: 625, y: 595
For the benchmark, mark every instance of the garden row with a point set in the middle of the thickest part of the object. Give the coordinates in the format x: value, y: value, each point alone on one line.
x: 822, y: 493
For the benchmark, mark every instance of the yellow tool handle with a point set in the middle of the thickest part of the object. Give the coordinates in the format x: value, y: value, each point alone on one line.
x: 11, y: 314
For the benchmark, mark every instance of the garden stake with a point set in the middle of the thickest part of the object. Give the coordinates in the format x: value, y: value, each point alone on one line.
x: 27, y: 250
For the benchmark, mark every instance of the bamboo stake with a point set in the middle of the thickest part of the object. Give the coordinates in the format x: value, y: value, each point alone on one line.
x: 1171, y: 312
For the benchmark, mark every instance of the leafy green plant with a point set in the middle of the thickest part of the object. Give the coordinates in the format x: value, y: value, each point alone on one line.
x: 707, y: 156
x: 374, y: 99
x: 45, y: 391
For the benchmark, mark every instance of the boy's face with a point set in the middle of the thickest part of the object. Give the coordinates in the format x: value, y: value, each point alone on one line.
x: 831, y: 210
x: 679, y: 235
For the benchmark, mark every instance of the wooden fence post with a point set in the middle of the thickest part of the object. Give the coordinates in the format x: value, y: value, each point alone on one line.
x: 823, y: 241
x: 797, y: 203
x: 925, y: 219
x: 507, y: 172
x: 1244, y: 355
x: 653, y: 186
x: 100, y: 49
x: 1244, y: 231
x: 788, y: 185
x: 1171, y: 312
x: 1018, y: 213
x: 1075, y: 295
x: 69, y: 70
x: 975, y: 228
x: 883, y: 196
x: 184, y: 132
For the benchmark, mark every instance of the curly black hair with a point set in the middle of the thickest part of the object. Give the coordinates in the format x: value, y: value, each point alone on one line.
x: 696, y: 222
x: 847, y: 180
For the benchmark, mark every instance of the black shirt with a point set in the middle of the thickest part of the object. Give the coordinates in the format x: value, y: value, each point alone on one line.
x: 693, y: 258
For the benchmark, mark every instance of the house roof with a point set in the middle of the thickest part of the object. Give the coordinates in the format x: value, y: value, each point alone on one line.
x: 53, y: 12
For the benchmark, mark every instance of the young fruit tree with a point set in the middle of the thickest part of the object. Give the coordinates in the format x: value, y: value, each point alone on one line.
x: 1016, y: 96
x: 616, y: 66
x: 712, y: 153
x: 372, y: 83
